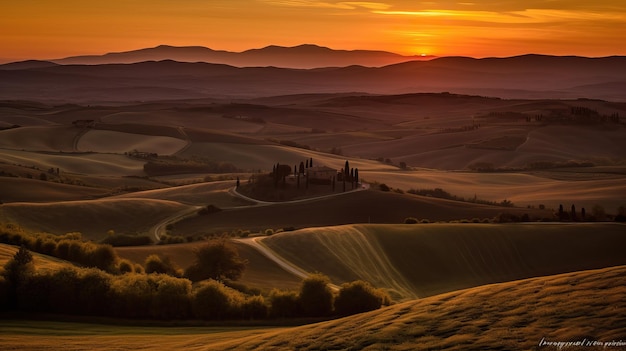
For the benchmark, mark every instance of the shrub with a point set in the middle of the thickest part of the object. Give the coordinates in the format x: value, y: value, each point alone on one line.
x: 131, y: 296
x: 506, y: 217
x: 208, y: 210
x: 410, y: 220
x: 359, y: 296
x: 156, y: 264
x: 217, y: 260
x: 316, y: 298
x: 125, y: 266
x: 425, y: 221
x: 172, y: 298
x: 213, y: 300
x: 384, y: 187
x: 254, y: 307
x: 269, y: 232
x: 284, y: 304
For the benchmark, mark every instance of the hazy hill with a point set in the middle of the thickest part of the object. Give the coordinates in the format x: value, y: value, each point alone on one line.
x: 522, y: 76
x: 302, y: 56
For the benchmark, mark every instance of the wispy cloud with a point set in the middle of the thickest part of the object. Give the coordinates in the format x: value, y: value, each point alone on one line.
x: 344, y: 5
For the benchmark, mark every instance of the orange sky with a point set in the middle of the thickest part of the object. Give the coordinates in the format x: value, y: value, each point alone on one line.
x: 44, y: 29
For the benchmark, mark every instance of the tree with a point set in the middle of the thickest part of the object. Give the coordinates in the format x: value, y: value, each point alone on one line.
x: 213, y: 300
x: 311, y: 162
x: 217, y: 260
x: 316, y: 298
x: 583, y: 213
x: 346, y: 170
x: 16, y: 272
x: 359, y: 296
x: 573, y: 214
x: 156, y: 264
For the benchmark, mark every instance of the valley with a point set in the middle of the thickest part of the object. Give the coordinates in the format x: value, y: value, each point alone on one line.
x: 491, y: 221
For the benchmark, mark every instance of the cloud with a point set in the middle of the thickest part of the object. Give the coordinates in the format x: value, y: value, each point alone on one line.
x: 344, y: 5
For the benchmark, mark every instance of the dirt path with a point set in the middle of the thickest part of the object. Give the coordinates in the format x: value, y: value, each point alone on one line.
x: 284, y: 264
x: 234, y: 192
x: 161, y: 228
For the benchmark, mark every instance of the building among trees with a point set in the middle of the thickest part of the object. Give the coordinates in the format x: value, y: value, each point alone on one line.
x: 321, y: 174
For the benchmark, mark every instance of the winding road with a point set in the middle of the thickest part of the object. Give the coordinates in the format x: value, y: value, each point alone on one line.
x: 284, y: 264
x: 160, y: 228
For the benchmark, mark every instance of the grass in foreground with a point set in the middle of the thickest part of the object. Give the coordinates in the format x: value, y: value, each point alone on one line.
x: 507, y: 316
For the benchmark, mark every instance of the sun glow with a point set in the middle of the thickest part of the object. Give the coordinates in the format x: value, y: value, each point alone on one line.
x: 49, y: 30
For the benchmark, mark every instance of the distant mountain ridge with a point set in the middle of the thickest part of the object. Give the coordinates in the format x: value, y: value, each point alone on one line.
x: 526, y: 77
x: 304, y: 56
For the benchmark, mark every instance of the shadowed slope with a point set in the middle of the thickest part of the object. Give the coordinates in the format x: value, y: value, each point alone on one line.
x: 423, y: 260
x: 92, y: 218
x: 30, y: 190
x: 357, y: 207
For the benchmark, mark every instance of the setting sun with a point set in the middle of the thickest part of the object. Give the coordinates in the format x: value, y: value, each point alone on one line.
x: 44, y: 30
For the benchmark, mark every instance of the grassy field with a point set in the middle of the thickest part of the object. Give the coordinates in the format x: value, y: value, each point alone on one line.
x: 521, y: 188
x: 92, y: 218
x: 426, y: 259
x: 261, y: 272
x: 41, y: 262
x: 507, y: 316
x: 370, y: 206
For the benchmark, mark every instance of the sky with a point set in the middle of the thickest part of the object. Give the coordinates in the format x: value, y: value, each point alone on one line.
x: 47, y: 29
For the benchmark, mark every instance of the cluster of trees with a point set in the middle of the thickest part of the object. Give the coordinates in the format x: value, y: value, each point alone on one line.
x: 90, y: 291
x: 598, y: 213
x: 348, y: 175
x: 68, y: 247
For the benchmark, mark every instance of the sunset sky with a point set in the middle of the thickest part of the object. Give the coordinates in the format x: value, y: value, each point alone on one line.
x: 46, y: 29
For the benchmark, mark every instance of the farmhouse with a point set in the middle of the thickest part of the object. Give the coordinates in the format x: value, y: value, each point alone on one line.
x: 321, y: 173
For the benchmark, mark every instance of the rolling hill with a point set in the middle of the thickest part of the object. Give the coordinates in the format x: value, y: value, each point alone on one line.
x: 521, y: 76
x: 422, y: 260
x: 356, y: 207
x: 569, y: 307
x: 91, y: 218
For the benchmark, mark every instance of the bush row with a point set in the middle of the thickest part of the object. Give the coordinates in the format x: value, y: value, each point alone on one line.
x: 90, y: 291
x: 68, y: 247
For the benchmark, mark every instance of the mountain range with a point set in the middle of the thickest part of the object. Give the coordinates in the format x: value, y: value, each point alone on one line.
x: 301, y: 56
x: 160, y: 75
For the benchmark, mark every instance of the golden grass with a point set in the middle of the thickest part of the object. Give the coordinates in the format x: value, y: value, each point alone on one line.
x: 42, y: 262
x: 92, y: 218
x: 30, y: 190
x: 520, y: 188
x: 261, y: 272
x: 40, y: 138
x: 508, y: 316
x: 104, y: 141
x: 254, y: 157
x: 214, y: 193
x: 511, y: 316
x: 89, y: 164
x: 358, y: 207
x: 428, y: 259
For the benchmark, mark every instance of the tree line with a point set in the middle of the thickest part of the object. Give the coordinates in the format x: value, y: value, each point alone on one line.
x: 205, y: 290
